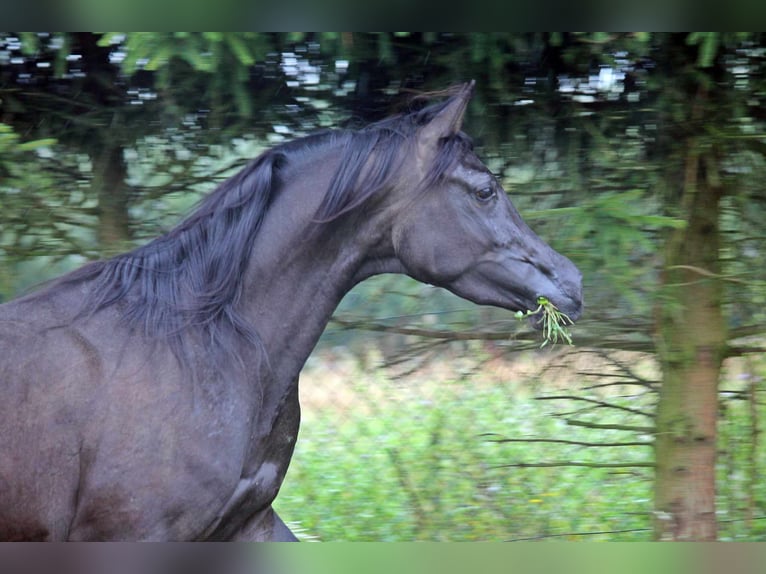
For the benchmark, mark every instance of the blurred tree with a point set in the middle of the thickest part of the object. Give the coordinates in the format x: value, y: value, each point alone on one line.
x: 691, y: 326
x: 99, y: 95
x: 702, y: 109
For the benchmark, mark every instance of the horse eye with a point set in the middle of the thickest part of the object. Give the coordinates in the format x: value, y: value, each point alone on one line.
x: 484, y: 194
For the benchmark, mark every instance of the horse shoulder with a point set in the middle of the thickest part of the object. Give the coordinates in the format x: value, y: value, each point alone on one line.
x: 41, y: 413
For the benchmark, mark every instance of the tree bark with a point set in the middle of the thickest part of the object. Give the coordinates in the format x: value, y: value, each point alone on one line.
x: 108, y: 184
x: 691, y: 342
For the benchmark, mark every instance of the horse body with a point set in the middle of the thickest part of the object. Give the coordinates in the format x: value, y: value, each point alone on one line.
x: 104, y: 460
x: 123, y: 470
x: 141, y: 407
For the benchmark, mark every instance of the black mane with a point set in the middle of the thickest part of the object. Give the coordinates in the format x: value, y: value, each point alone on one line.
x: 192, y: 277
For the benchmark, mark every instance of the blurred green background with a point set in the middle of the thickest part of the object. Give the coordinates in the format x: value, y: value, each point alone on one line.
x: 638, y: 155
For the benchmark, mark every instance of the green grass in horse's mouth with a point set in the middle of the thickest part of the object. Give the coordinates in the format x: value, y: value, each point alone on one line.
x: 554, y: 322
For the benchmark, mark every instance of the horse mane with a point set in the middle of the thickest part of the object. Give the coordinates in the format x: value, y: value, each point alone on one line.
x: 348, y: 190
x: 191, y: 278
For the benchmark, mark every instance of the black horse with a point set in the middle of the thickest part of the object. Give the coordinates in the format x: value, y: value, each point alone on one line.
x: 154, y: 396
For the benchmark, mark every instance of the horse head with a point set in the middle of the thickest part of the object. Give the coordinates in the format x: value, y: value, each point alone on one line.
x: 459, y: 229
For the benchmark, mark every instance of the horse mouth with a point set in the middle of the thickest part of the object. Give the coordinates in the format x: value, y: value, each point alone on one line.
x: 519, y: 286
x: 545, y: 291
x: 571, y: 309
x: 546, y: 313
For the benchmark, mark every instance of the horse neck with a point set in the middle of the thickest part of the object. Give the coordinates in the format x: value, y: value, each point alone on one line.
x: 299, y: 271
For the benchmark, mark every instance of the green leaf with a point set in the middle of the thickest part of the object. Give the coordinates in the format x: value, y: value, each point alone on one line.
x: 109, y: 38
x: 213, y: 36
x: 138, y: 46
x: 708, y: 50
x: 45, y: 142
x: 240, y: 49
x: 600, y: 37
x: 195, y: 59
x: 29, y: 43
x: 661, y: 221
x: 160, y: 58
x: 59, y: 61
x: 708, y: 47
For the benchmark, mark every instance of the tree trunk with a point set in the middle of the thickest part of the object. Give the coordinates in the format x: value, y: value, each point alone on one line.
x: 691, y: 342
x: 109, y: 186
x: 102, y: 89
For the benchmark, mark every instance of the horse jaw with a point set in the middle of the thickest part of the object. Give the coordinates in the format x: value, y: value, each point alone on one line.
x: 515, y: 284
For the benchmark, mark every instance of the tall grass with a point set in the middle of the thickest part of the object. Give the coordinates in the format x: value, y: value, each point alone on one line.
x: 386, y: 458
x: 381, y: 459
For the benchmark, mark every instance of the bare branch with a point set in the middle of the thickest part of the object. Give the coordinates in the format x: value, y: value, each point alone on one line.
x: 707, y: 273
x: 627, y: 383
x: 595, y: 402
x: 578, y: 464
x: 572, y: 442
x: 741, y: 350
x: 526, y: 339
x: 632, y: 428
x: 419, y: 332
x: 620, y: 531
x: 571, y: 534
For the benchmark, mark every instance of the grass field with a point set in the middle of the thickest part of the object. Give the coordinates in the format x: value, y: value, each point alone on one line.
x: 386, y: 458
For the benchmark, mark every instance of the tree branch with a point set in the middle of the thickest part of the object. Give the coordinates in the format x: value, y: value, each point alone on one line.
x: 595, y: 402
x: 563, y: 441
x: 568, y: 534
x: 419, y: 332
x: 631, y: 428
x: 578, y: 464
x: 650, y: 388
x: 527, y: 339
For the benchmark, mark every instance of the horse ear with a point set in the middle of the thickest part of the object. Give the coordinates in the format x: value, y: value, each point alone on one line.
x: 448, y: 121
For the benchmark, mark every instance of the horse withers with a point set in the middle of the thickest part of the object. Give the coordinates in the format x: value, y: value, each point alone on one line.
x: 154, y: 395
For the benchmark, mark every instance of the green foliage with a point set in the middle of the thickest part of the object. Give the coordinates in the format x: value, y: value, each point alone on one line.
x: 224, y: 55
x: 420, y: 463
x: 39, y: 218
x: 383, y: 459
x: 203, y: 51
x: 708, y: 46
x: 614, y: 237
x: 11, y: 146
